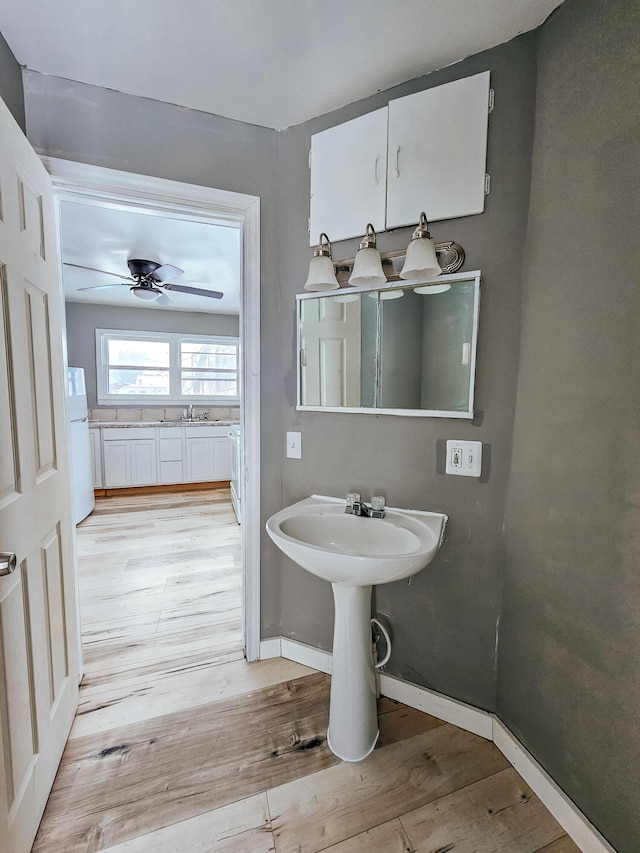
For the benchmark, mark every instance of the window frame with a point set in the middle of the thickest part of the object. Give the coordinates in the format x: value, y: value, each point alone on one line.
x: 175, y: 340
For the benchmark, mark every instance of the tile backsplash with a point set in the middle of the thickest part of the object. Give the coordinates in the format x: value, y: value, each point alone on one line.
x: 173, y: 413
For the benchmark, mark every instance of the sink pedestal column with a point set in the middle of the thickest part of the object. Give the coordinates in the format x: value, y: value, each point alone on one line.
x: 353, y: 717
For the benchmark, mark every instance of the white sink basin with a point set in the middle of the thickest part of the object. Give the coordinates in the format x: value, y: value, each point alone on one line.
x: 355, y: 550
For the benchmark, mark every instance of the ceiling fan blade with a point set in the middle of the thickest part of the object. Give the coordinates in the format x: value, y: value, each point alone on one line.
x: 195, y: 291
x: 102, y: 286
x: 93, y: 269
x: 163, y: 299
x: 165, y: 272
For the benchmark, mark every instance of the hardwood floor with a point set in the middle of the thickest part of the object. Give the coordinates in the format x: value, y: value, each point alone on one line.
x: 180, y: 746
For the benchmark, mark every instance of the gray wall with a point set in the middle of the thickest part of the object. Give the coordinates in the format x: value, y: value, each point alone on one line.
x: 569, y: 676
x: 83, y: 320
x: 444, y: 624
x: 11, y: 90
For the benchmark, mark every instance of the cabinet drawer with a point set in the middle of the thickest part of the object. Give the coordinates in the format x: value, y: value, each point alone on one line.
x: 170, y: 432
x: 206, y: 431
x: 128, y: 434
x: 170, y: 449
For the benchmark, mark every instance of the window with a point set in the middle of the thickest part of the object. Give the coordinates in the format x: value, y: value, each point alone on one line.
x: 155, y: 367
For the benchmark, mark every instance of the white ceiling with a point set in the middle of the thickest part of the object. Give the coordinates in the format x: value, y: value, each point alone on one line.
x: 106, y: 237
x: 275, y: 63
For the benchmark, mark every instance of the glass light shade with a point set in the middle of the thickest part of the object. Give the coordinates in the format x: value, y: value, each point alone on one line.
x: 427, y: 289
x: 421, y: 260
x: 145, y: 293
x: 367, y: 268
x: 391, y: 294
x: 322, y: 275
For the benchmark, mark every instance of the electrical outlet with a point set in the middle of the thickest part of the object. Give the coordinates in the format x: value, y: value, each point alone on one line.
x: 464, y: 458
x: 294, y: 445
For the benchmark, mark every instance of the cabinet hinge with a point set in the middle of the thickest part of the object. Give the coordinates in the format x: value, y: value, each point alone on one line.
x: 492, y: 101
x: 487, y: 184
x: 309, y: 225
x: 309, y: 158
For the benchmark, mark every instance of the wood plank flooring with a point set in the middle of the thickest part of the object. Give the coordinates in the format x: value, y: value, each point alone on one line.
x: 180, y: 746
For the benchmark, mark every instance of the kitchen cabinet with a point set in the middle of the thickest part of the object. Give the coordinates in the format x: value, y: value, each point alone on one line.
x: 146, y: 456
x: 426, y: 151
x: 207, y: 455
x: 129, y: 461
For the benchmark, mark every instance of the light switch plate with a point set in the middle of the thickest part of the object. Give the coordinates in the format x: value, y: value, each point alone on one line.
x: 464, y: 458
x: 294, y: 445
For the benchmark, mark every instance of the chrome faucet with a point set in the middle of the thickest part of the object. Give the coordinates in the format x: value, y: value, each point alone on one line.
x: 355, y: 506
x: 190, y: 412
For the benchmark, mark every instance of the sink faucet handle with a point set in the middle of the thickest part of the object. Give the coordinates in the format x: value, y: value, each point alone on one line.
x: 377, y: 503
x: 352, y: 499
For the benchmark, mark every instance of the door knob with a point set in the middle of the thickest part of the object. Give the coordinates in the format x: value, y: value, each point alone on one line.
x: 7, y: 563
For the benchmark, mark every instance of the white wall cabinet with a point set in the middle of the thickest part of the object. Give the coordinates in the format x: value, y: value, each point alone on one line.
x: 438, y: 152
x: 146, y: 456
x: 426, y: 151
x: 348, y: 177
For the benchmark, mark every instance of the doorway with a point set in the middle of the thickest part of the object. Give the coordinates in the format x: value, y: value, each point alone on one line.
x: 75, y: 182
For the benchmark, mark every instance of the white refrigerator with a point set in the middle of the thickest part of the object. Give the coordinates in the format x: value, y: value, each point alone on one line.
x: 80, y: 472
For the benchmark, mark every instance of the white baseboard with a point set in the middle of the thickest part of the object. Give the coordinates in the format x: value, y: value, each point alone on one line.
x: 307, y: 655
x: 271, y: 648
x: 568, y: 815
x: 471, y: 719
x: 450, y: 710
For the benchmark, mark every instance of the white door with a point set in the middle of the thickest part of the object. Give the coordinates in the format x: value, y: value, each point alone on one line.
x: 38, y: 651
x: 331, y: 352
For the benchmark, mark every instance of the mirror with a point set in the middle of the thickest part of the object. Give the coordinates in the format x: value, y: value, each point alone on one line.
x: 404, y: 350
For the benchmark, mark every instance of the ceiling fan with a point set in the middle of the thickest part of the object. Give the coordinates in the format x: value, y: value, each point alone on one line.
x: 148, y: 281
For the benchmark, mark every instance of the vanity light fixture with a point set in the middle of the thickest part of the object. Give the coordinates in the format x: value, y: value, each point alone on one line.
x: 367, y: 267
x: 322, y: 275
x: 421, y: 260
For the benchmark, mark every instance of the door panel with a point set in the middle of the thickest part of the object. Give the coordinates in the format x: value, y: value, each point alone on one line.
x: 38, y: 625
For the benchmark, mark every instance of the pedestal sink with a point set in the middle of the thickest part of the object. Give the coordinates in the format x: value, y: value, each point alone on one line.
x: 353, y: 553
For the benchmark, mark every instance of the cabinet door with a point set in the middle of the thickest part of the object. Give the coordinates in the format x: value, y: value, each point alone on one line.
x: 143, y: 462
x: 117, y: 463
x: 96, y: 458
x: 221, y: 459
x: 348, y: 164
x: 199, y: 459
x: 437, y: 152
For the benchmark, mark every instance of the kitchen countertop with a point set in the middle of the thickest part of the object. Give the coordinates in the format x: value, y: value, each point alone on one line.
x: 139, y: 424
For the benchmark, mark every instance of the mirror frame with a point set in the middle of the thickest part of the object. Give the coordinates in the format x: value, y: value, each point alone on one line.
x: 474, y: 276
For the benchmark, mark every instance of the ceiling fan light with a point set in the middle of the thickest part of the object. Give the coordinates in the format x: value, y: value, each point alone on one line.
x: 146, y: 293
